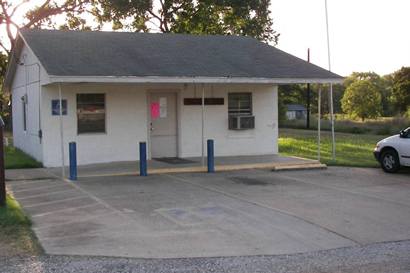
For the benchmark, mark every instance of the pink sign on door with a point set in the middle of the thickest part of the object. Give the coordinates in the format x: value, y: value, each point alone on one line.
x: 155, y: 110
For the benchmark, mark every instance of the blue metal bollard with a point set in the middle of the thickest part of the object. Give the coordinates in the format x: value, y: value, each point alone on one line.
x: 143, y: 159
x: 210, y: 153
x: 73, y: 160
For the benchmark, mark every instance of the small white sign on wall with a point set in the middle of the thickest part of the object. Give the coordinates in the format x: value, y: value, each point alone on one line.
x: 163, y: 107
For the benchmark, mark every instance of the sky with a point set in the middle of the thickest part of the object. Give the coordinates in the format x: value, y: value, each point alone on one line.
x: 365, y: 35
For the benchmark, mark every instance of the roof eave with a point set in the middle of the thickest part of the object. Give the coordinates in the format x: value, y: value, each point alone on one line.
x: 161, y: 79
x: 14, y: 61
x: 12, y: 64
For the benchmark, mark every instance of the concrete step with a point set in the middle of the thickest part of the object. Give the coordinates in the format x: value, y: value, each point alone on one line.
x: 293, y: 167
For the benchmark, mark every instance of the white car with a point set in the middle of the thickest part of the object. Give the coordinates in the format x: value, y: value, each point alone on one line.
x: 394, y: 152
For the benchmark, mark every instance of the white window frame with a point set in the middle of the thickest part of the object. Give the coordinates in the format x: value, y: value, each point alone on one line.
x: 238, y: 111
x: 105, y: 114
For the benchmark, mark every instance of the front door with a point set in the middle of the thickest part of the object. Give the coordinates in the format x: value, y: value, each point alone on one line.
x: 163, y: 124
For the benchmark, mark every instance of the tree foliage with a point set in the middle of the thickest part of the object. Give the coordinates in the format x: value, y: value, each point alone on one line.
x: 292, y: 93
x: 372, y: 77
x: 4, y: 98
x: 3, y: 63
x: 382, y: 84
x: 394, y: 90
x: 289, y: 94
x: 242, y: 17
x: 34, y: 17
x: 401, y: 89
x: 362, y: 100
x: 74, y: 22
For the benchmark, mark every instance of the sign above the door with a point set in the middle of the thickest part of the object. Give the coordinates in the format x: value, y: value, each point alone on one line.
x: 207, y: 101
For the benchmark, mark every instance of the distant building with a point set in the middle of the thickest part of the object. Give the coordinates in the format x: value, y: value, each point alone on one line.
x: 296, y: 111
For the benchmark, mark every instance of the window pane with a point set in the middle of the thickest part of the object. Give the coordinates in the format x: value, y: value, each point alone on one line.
x: 240, y: 103
x: 91, y: 113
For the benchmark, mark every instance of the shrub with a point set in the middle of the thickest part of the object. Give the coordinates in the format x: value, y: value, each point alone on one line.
x: 407, y: 114
x: 384, y: 131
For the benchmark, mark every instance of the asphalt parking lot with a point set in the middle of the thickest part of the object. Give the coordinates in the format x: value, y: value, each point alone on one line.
x: 254, y: 212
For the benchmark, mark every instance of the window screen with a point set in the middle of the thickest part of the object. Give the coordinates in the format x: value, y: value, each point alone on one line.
x: 240, y: 104
x: 91, y: 113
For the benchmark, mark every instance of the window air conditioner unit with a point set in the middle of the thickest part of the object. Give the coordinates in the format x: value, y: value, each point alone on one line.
x: 241, y: 122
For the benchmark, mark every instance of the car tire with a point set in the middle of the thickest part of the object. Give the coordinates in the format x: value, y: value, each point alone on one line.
x: 389, y: 161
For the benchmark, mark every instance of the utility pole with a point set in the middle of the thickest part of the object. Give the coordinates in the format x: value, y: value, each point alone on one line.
x: 332, y: 118
x: 2, y: 177
x: 308, y: 97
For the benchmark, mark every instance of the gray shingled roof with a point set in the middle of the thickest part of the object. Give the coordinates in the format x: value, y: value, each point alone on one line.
x: 77, y: 53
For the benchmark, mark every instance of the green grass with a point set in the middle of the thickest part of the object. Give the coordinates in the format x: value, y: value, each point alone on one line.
x: 351, y: 150
x: 16, y: 159
x: 16, y: 236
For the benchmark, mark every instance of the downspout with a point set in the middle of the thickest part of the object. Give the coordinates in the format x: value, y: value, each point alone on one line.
x: 318, y: 121
x: 40, y: 98
x: 61, y: 131
x: 203, y: 126
x: 25, y: 105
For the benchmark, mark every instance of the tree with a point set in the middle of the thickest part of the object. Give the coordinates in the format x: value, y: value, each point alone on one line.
x: 292, y: 94
x: 401, y: 89
x: 387, y: 98
x: 380, y: 83
x: 360, y: 76
x: 75, y: 23
x: 362, y: 100
x: 250, y: 17
x: 34, y: 18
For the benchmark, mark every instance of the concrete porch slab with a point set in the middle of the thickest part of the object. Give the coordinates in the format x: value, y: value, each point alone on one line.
x: 195, y: 164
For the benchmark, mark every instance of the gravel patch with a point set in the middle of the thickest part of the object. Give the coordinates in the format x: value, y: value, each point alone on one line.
x: 381, y: 257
